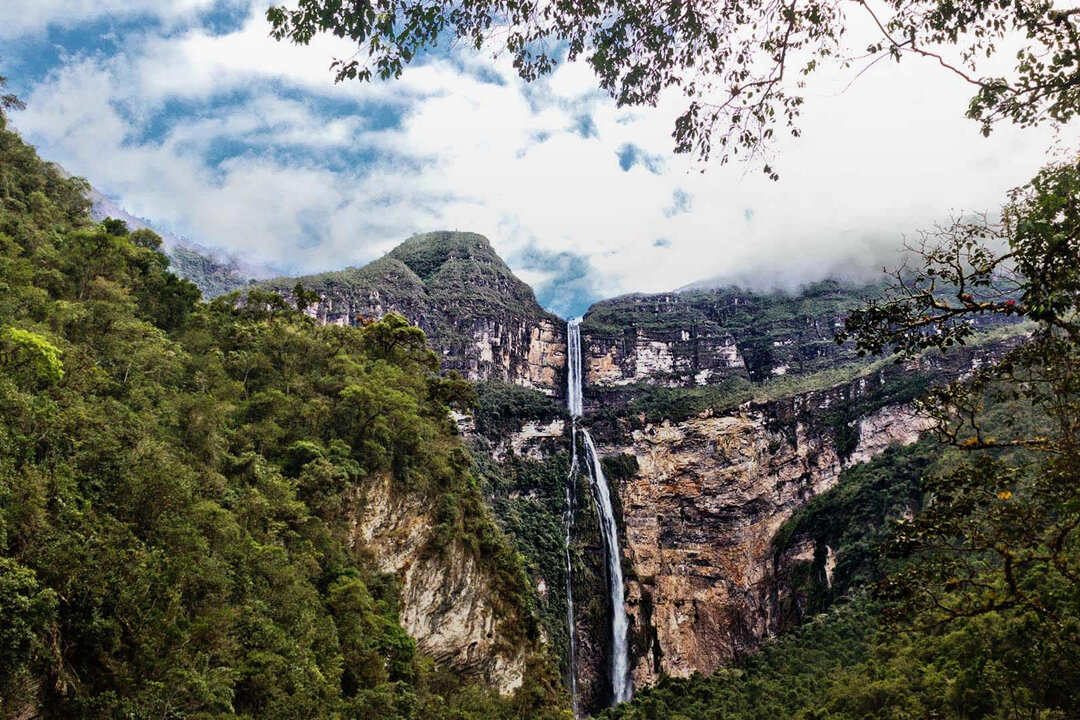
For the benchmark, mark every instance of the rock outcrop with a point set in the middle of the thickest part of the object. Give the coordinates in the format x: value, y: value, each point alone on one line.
x: 700, y: 515
x: 702, y: 337
x: 446, y: 598
x: 482, y: 321
x: 701, y: 497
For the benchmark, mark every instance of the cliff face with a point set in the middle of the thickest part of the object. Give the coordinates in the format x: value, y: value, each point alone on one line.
x: 701, y: 513
x: 446, y: 599
x: 483, y: 322
x: 701, y: 492
x: 671, y: 358
x: 708, y: 493
x: 701, y: 337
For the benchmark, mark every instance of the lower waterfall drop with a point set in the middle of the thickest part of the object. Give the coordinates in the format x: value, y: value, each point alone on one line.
x: 568, y: 526
x: 620, y: 650
x: 601, y: 493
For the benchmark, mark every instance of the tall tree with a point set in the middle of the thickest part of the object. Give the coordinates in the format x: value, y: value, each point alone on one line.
x: 8, y: 101
x: 999, y: 537
x: 741, y: 64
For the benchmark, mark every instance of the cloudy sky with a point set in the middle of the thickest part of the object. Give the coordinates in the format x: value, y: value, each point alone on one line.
x: 186, y: 113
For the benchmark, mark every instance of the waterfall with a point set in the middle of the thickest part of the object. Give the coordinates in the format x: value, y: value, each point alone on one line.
x: 601, y: 493
x: 568, y: 526
x: 620, y: 661
x: 573, y: 368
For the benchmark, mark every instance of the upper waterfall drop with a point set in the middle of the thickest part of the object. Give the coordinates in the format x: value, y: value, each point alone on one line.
x: 601, y: 492
x: 573, y: 368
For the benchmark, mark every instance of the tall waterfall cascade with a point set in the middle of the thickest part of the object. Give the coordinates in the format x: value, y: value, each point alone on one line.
x: 601, y: 493
x: 568, y: 528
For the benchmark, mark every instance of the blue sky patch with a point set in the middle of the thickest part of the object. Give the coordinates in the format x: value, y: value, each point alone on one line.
x: 631, y: 155
x: 681, y: 202
x: 585, y: 127
x: 573, y: 285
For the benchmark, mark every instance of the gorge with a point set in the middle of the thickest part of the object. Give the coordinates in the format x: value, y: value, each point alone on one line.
x: 704, y: 419
x: 620, y: 681
x: 406, y: 491
x: 504, y: 497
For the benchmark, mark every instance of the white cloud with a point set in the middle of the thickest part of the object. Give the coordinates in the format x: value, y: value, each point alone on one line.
x: 28, y: 17
x: 891, y: 154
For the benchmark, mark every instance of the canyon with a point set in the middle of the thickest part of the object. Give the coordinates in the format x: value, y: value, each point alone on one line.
x: 717, y: 411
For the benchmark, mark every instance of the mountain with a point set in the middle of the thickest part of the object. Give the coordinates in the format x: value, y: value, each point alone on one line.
x: 718, y: 413
x: 226, y: 509
x: 214, y: 272
x: 240, y: 508
x: 482, y: 320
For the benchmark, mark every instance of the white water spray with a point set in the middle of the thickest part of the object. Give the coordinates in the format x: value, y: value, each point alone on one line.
x: 601, y: 492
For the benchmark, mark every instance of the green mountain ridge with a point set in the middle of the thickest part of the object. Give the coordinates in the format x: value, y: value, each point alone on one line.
x: 183, y: 485
x: 479, y: 317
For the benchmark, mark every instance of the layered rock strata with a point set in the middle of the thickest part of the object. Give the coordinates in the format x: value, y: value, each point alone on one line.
x: 479, y: 318
x: 701, y: 512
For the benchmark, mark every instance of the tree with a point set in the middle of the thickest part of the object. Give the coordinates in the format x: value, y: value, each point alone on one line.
x: 740, y: 64
x: 146, y: 238
x: 8, y: 101
x: 999, y: 537
x: 114, y: 227
x: 304, y: 298
x: 29, y: 356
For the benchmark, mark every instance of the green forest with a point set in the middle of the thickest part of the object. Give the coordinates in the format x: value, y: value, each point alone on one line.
x: 177, y: 480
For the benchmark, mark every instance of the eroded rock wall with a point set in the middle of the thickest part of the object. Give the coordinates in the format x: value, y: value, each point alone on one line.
x: 446, y: 599
x: 479, y: 318
x: 678, y: 358
x: 700, y: 515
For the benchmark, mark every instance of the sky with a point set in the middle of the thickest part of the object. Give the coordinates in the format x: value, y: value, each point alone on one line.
x: 186, y: 113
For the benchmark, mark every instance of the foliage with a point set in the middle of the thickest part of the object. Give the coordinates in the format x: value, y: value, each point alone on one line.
x: 741, y: 65
x: 838, y: 666
x: 998, y: 538
x: 24, y: 354
x: 854, y: 518
x: 502, y: 408
x: 8, y: 101
x: 527, y: 497
x: 177, y: 481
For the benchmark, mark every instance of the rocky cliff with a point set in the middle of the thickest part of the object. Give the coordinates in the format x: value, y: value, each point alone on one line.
x: 482, y: 320
x: 707, y: 494
x: 720, y: 413
x: 447, y: 599
x: 702, y: 510
x: 701, y: 337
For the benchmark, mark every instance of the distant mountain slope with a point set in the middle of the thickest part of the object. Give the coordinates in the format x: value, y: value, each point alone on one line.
x: 705, y: 336
x: 698, y: 337
x: 482, y: 320
x: 213, y: 271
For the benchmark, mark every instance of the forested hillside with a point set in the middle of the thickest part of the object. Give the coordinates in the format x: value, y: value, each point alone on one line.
x: 181, y: 483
